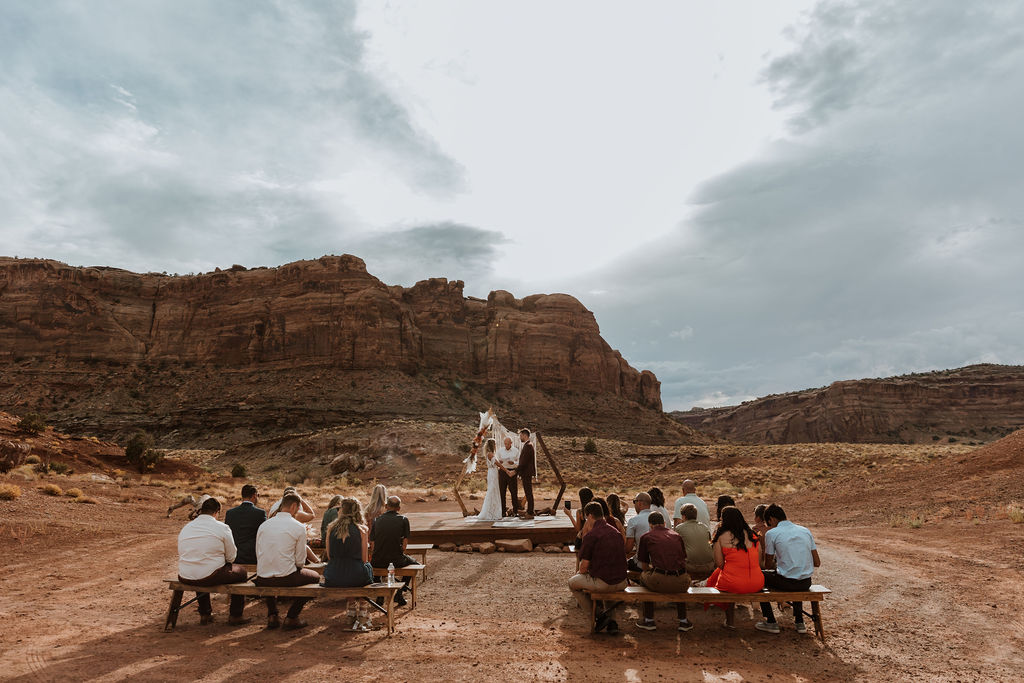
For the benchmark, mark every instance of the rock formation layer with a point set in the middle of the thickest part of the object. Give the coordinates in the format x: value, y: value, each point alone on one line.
x: 305, y: 345
x: 972, y: 404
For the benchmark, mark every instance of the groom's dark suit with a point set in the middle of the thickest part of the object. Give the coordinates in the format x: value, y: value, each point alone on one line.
x: 527, y: 468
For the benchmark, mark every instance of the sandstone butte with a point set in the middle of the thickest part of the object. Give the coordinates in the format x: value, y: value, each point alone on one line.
x: 974, y: 404
x: 243, y: 353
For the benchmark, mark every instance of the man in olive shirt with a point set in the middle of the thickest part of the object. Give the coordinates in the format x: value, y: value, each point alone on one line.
x: 663, y: 558
x: 602, y: 566
x: 389, y: 535
x: 700, y: 560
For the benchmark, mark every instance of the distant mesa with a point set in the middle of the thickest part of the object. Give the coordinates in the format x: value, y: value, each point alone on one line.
x: 243, y: 353
x: 974, y: 404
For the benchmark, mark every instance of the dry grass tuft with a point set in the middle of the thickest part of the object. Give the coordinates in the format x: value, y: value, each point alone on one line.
x: 51, y: 490
x: 87, y: 500
x: 9, y: 491
x: 73, y: 493
x: 1015, y: 512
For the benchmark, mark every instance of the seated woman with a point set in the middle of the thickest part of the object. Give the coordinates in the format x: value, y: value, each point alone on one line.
x: 723, y: 502
x: 578, y: 519
x: 616, y: 508
x: 737, y: 558
x: 375, y: 508
x: 607, y: 517
x: 348, y: 561
x: 658, y: 503
x: 330, y: 514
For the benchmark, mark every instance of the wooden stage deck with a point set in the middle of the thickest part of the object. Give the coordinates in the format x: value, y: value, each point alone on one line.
x: 451, y: 527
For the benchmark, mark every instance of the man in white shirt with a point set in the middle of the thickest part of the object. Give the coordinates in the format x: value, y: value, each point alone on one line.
x: 280, y: 558
x: 790, y: 557
x: 508, y: 461
x: 690, y: 496
x: 206, y: 551
x: 636, y: 527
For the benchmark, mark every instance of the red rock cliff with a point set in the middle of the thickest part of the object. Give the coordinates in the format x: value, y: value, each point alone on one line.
x: 972, y: 404
x: 328, y: 320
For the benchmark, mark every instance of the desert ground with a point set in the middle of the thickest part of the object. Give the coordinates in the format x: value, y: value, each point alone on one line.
x: 920, y: 545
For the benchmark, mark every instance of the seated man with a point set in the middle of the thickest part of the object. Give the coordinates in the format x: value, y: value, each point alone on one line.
x: 304, y: 514
x: 389, y: 535
x: 206, y: 551
x: 690, y: 496
x: 280, y: 557
x: 602, y: 566
x: 663, y: 558
x: 700, y: 559
x: 244, y: 521
x: 790, y: 557
x: 637, y: 526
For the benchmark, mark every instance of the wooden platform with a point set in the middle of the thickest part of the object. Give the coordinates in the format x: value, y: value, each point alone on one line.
x: 451, y: 527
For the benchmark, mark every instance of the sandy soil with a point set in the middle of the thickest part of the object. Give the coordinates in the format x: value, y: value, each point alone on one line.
x: 83, y: 600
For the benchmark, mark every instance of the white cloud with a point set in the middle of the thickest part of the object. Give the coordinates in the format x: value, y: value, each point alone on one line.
x: 681, y: 334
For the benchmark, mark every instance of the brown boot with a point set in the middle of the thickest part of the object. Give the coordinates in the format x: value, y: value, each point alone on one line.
x: 239, y: 621
x: 205, y: 619
x: 273, y: 621
x: 292, y: 624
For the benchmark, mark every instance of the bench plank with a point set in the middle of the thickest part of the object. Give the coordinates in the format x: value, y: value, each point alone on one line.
x: 421, y: 550
x: 412, y: 571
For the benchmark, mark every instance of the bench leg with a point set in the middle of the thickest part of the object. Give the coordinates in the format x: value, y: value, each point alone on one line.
x: 172, y: 611
x: 412, y: 587
x: 816, y: 616
x: 391, y: 612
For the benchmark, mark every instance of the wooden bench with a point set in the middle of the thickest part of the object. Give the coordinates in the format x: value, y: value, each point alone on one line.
x: 318, y: 567
x: 412, y: 571
x: 701, y: 594
x: 314, y: 591
x: 421, y: 550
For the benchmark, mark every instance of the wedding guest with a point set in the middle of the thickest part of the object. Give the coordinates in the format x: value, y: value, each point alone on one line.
x: 330, y: 514
x: 662, y: 557
x: 690, y: 496
x: 737, y: 560
x: 244, y: 522
x: 378, y: 501
x: 389, y: 536
x: 722, y: 503
x: 587, y: 525
x: 790, y: 557
x: 577, y: 517
x: 700, y: 560
x: 305, y: 512
x: 280, y: 559
x: 348, y: 556
x: 760, y: 528
x: 602, y: 566
x: 616, y: 508
x: 637, y: 526
x: 206, y: 552
x: 658, y: 502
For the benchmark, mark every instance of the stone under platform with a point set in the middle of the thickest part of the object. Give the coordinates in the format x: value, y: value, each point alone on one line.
x: 452, y: 527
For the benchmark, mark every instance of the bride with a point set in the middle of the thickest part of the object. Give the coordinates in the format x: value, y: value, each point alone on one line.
x: 490, y: 510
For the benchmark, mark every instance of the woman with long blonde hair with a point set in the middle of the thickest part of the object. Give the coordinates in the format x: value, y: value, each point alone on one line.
x: 378, y: 500
x: 348, y: 561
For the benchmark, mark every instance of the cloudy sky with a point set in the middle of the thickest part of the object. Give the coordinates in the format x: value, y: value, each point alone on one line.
x: 752, y: 197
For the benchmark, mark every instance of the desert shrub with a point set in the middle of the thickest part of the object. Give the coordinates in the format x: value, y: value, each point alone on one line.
x: 574, y: 444
x: 32, y: 460
x: 590, y: 446
x: 51, y: 490
x: 32, y: 423
x: 237, y: 470
x: 9, y: 491
x: 60, y: 468
x: 139, y: 452
x: 271, y: 468
x: 300, y: 475
x: 87, y: 500
x: 73, y: 493
x: 1015, y: 513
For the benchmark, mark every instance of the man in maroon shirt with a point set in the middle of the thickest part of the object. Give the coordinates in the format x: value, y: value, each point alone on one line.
x: 602, y: 566
x: 662, y: 555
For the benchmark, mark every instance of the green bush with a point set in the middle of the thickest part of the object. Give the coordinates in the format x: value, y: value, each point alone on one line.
x: 32, y: 423
x: 139, y: 452
x: 237, y: 470
x: 590, y: 446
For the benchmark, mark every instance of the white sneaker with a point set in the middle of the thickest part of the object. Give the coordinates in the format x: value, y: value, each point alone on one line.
x: 801, y: 627
x: 767, y: 627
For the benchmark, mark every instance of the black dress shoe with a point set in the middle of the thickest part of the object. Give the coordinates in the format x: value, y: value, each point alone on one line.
x: 601, y: 623
x: 205, y: 619
x: 400, y: 599
x: 613, y: 627
x: 239, y: 621
x: 273, y: 621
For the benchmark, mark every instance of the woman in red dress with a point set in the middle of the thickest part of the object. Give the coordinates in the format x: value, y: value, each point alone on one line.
x: 738, y: 560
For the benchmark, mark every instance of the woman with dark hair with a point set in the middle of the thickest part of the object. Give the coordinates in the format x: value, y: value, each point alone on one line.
x: 607, y: 517
x: 760, y: 527
x: 723, y: 502
x: 615, y: 507
x: 737, y: 558
x: 658, y: 504
x: 579, y: 518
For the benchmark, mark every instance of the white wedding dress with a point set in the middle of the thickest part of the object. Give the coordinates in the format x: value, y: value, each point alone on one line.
x: 490, y: 510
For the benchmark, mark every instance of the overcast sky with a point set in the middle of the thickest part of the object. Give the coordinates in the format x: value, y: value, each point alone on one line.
x: 753, y: 197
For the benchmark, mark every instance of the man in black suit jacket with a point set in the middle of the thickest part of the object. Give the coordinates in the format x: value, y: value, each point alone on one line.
x: 527, y: 468
x: 244, y: 520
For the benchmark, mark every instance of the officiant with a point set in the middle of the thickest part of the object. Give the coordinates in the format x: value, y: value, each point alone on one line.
x: 508, y: 461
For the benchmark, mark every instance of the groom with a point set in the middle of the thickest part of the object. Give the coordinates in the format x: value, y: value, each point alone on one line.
x: 507, y: 462
x: 527, y: 468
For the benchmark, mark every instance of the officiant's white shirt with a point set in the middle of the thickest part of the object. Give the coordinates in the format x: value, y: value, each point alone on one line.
x: 508, y: 458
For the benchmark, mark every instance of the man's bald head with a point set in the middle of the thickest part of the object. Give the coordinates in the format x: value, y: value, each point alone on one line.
x: 394, y: 503
x: 689, y: 486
